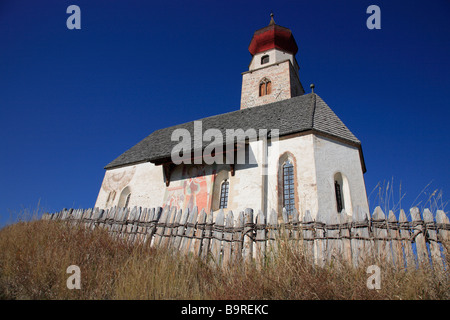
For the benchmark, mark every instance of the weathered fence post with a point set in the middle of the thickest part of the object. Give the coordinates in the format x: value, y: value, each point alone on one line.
x: 154, y: 220
x: 161, y: 225
x: 206, y: 243
x: 361, y: 246
x: 286, y: 226
x: 273, y: 233
x: 405, y: 234
x: 216, y: 245
x: 344, y: 221
x: 394, y: 233
x: 332, y: 237
x: 381, y: 245
x: 165, y: 241
x: 170, y: 228
x: 120, y: 223
x: 199, y: 233
x: 443, y: 235
x: 148, y: 223
x: 320, y: 242
x: 295, y: 228
x: 227, y: 238
x: 110, y: 221
x: 96, y: 216
x: 87, y: 218
x: 187, y: 240
x: 308, y: 232
x: 248, y: 235
x: 421, y: 247
x: 435, y: 251
x: 238, y: 239
x: 102, y: 220
x: 260, y: 238
x: 128, y: 224
x: 139, y: 235
x: 181, y: 228
x: 177, y: 227
x: 132, y: 223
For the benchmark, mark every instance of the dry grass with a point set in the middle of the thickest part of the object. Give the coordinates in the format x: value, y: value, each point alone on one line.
x: 34, y: 257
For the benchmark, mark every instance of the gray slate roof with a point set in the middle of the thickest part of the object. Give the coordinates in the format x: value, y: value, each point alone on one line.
x: 298, y: 114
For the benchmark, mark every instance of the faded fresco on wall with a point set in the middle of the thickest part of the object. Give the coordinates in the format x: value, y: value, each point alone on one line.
x: 194, y: 189
x: 117, y: 180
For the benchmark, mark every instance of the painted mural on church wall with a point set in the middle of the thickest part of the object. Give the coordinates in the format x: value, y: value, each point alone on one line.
x: 193, y: 189
x: 117, y: 180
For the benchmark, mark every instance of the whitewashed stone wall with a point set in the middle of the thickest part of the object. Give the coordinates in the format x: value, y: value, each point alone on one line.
x: 317, y: 160
x: 275, y: 56
x: 301, y: 148
x: 145, y: 180
x: 332, y: 157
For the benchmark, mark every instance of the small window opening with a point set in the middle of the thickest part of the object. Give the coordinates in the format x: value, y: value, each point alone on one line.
x: 265, y: 59
x: 224, y: 189
x: 338, y: 191
x: 265, y: 87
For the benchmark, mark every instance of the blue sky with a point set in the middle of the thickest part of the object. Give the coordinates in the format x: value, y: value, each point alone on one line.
x: 71, y: 101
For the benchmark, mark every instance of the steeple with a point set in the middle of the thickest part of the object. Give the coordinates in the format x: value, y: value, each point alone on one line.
x: 271, y: 19
x: 273, y: 72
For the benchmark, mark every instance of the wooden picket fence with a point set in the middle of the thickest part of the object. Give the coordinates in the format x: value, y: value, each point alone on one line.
x: 225, y: 239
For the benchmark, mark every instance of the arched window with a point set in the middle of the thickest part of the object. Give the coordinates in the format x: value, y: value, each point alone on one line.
x: 342, y: 193
x: 224, y: 189
x: 124, y: 199
x: 128, y: 200
x: 221, y: 190
x: 265, y: 87
x: 338, y: 192
x: 265, y: 59
x: 288, y: 187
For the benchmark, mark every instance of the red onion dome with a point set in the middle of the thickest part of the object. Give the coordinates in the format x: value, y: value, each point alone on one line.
x: 273, y: 36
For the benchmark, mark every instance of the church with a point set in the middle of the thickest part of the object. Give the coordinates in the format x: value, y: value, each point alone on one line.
x: 306, y: 158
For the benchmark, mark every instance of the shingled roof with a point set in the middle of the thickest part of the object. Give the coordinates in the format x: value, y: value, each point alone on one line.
x: 299, y: 114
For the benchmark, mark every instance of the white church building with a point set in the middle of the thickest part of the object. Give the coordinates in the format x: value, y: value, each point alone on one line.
x: 306, y: 159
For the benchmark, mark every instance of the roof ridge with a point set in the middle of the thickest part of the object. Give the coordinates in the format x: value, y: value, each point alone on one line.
x: 334, y: 117
x: 313, y: 96
x: 232, y: 112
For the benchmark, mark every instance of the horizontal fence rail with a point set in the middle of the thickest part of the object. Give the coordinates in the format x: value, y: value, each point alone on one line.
x: 422, y: 241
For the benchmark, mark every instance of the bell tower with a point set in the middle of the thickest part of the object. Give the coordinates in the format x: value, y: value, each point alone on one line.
x: 273, y: 70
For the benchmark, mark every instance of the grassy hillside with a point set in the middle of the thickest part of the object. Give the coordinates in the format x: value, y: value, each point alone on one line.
x: 34, y: 257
